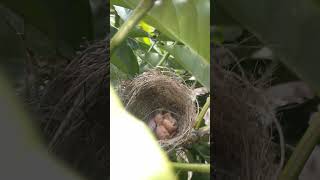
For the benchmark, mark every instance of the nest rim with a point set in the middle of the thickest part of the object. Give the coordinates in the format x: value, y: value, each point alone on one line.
x: 153, y: 77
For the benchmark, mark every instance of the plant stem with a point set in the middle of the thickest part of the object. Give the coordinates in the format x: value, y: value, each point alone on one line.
x: 165, y: 56
x: 303, y: 150
x: 143, y: 7
x: 200, y: 134
x: 202, y: 113
x: 200, y: 168
x: 151, y: 47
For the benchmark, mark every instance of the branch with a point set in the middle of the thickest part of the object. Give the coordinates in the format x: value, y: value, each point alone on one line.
x: 165, y: 56
x: 303, y: 150
x: 200, y: 168
x: 143, y: 7
x: 202, y: 113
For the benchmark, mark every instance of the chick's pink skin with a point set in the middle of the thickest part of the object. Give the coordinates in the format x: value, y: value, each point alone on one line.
x: 170, y: 118
x: 162, y: 133
x: 164, y: 126
x: 170, y: 123
x: 158, y: 119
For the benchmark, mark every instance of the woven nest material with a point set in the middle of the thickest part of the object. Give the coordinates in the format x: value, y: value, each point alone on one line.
x: 155, y: 91
x: 73, y: 109
x: 243, y: 145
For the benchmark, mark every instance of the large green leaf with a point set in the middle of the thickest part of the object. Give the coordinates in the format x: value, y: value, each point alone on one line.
x: 290, y: 27
x: 192, y: 62
x: 184, y: 21
x: 152, y: 58
x: 124, y: 58
x: 60, y: 20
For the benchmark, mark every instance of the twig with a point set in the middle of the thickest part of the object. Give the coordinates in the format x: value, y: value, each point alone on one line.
x: 200, y: 168
x: 303, y: 150
x: 202, y: 113
x: 165, y: 56
x: 143, y: 7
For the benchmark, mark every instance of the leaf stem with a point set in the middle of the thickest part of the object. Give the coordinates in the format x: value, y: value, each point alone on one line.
x: 165, y: 56
x: 200, y: 168
x: 143, y: 7
x: 303, y: 150
x: 202, y: 113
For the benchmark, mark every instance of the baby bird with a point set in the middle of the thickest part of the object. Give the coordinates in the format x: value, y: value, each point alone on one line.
x: 169, y: 123
x: 164, y: 126
x: 162, y: 133
x: 155, y: 121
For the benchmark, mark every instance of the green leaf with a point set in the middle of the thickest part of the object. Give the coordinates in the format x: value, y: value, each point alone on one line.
x: 192, y: 62
x: 124, y: 58
x: 136, y: 32
x: 290, y: 28
x: 65, y: 20
x: 187, y: 22
x: 203, y: 149
x: 116, y: 75
x: 152, y: 58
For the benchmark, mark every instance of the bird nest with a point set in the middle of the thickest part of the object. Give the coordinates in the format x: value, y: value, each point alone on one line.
x: 243, y: 143
x: 73, y: 111
x: 155, y: 92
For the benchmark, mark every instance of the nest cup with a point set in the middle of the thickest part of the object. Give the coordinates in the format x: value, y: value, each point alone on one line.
x: 243, y: 144
x: 148, y: 117
x: 73, y: 107
x: 155, y: 91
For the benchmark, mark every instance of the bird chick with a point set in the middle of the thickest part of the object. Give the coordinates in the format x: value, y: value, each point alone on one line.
x: 155, y: 121
x: 158, y: 118
x: 169, y: 123
x: 162, y: 133
x: 164, y: 126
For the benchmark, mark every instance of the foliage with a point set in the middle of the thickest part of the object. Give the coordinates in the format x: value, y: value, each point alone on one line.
x: 186, y: 23
x: 166, y: 39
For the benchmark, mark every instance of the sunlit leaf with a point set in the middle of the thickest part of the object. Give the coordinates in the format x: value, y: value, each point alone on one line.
x: 124, y: 58
x: 146, y: 27
x: 184, y: 21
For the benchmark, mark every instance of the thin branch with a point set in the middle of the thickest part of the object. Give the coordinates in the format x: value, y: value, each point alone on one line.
x: 200, y: 168
x: 165, y: 56
x: 202, y: 113
x: 139, y: 12
x: 303, y: 150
